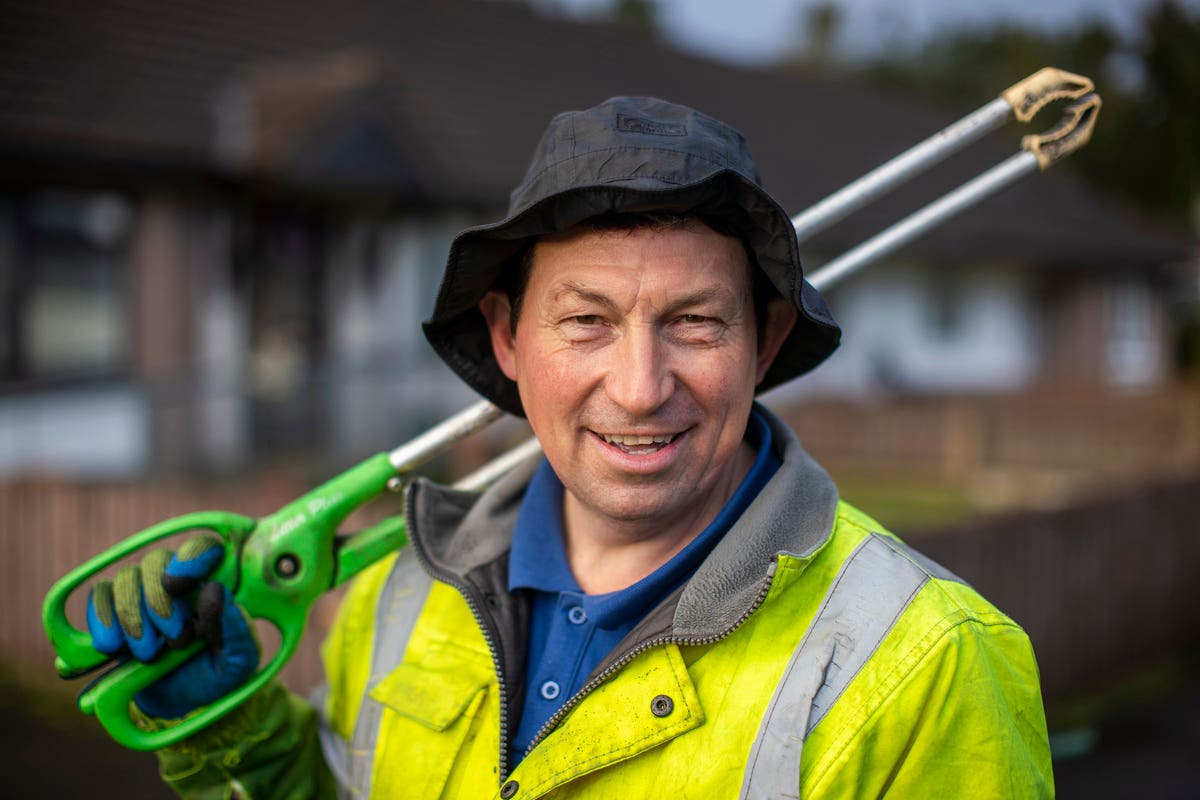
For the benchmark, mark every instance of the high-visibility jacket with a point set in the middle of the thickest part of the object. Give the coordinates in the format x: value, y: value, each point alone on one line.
x: 811, y: 655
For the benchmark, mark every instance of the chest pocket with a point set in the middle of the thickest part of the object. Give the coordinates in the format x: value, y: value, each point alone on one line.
x: 428, y: 717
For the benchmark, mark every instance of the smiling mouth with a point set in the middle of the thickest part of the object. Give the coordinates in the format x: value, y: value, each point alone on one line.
x: 638, y: 444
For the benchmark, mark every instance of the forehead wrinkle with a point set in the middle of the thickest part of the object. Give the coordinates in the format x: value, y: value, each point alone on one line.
x: 581, y: 292
x: 699, y: 297
x: 695, y: 298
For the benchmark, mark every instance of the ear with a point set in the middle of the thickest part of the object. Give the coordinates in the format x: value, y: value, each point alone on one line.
x: 781, y: 316
x: 498, y: 313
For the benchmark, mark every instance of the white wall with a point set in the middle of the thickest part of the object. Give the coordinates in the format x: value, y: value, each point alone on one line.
x: 911, y: 329
x: 387, y: 383
x: 221, y: 424
x: 1134, y: 356
x: 90, y: 432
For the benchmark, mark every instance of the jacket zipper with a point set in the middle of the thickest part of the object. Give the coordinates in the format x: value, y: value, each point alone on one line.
x: 485, y: 626
x: 638, y: 649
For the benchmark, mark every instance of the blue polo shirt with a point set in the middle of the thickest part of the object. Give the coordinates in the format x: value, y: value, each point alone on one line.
x: 571, y: 632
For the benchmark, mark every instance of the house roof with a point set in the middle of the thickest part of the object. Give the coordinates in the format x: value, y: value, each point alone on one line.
x: 442, y: 103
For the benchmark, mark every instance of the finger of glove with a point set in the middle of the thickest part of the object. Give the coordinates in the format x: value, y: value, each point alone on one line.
x: 142, y: 639
x: 240, y: 648
x: 168, y: 614
x: 102, y: 619
x: 213, y: 674
x: 223, y: 624
x: 210, y: 614
x: 194, y: 562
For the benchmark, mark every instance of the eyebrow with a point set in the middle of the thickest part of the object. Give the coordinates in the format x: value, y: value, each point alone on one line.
x: 581, y: 292
x: 698, y: 297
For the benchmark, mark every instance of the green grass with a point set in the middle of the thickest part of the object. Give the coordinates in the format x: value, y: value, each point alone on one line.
x: 1133, y: 690
x: 908, y: 507
x: 43, y: 696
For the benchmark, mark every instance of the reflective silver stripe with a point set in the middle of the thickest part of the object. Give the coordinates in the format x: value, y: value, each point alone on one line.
x: 333, y: 747
x: 400, y: 603
x: 874, y: 586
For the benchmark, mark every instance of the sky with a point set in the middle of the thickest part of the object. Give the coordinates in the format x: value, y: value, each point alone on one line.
x: 753, y: 32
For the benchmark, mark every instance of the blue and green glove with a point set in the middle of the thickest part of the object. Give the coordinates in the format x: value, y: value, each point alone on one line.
x: 145, y: 608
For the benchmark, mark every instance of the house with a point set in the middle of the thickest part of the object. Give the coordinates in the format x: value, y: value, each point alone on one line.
x: 220, y: 223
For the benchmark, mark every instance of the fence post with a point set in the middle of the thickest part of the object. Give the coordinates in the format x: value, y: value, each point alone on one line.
x: 962, y: 443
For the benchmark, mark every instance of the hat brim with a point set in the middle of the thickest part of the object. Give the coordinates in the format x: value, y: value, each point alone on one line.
x: 478, y: 256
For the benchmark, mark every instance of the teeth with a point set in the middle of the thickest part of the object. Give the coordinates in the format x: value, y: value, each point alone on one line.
x: 630, y: 440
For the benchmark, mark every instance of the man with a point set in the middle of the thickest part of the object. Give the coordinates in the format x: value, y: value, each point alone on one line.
x: 673, y: 603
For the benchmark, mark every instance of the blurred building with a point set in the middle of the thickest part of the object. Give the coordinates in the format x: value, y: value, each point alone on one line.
x: 221, y: 223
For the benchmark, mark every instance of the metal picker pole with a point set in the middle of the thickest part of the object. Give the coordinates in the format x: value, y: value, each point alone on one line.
x: 1022, y: 100
x: 492, y: 471
x: 1039, y: 152
x: 929, y: 217
x: 911, y: 162
x: 444, y: 435
x: 839, y: 269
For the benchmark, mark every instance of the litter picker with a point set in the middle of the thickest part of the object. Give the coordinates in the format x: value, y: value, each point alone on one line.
x: 278, y: 566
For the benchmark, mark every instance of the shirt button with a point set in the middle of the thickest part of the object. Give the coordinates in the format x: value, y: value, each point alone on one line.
x: 550, y: 690
x: 509, y: 789
x: 577, y: 615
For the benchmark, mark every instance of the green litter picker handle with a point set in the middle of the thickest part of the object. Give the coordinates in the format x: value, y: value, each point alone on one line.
x: 276, y: 568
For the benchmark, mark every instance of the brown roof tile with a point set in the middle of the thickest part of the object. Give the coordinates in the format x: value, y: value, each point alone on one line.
x: 444, y: 101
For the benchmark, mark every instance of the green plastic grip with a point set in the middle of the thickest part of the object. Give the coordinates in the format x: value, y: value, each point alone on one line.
x: 276, y: 568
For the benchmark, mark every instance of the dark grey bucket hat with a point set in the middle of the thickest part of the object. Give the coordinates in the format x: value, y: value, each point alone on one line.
x: 626, y: 155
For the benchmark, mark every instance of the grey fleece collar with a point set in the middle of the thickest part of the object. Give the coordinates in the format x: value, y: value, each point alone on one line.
x: 794, y: 513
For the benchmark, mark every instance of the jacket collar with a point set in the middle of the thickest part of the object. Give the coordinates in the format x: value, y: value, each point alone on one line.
x: 461, y: 532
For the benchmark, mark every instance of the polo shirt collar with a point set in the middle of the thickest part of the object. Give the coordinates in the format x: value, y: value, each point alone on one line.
x: 538, y: 559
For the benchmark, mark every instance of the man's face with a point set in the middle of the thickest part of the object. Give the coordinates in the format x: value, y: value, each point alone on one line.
x: 636, y: 355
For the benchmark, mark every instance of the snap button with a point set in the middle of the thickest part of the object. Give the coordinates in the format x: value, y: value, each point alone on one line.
x: 509, y: 789
x: 577, y: 615
x: 662, y: 706
x: 550, y: 690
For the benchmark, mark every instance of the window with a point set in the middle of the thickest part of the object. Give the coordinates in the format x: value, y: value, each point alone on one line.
x: 947, y: 305
x: 1132, y: 352
x: 63, y: 285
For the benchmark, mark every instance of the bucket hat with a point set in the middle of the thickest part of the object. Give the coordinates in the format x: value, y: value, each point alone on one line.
x: 627, y: 155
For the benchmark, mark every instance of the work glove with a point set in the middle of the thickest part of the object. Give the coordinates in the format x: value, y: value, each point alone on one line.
x: 146, y: 607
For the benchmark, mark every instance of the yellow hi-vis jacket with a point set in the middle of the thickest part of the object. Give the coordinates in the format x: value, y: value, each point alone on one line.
x: 812, y: 655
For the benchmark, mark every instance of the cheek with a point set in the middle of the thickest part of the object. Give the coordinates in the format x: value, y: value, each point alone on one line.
x: 550, y: 365
x: 544, y: 370
x: 726, y: 374
x: 552, y: 384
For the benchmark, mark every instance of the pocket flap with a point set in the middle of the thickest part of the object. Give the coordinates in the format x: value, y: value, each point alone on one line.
x: 433, y: 697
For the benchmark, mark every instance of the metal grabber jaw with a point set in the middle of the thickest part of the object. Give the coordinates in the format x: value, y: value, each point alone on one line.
x: 1022, y: 101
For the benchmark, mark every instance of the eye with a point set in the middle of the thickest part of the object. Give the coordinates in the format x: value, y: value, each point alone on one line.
x: 586, y: 319
x: 581, y: 328
x: 697, y: 329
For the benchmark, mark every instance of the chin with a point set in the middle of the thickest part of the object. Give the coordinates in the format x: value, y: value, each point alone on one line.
x: 638, y: 507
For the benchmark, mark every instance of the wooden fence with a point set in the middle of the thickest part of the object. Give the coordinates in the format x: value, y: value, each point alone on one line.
x: 1099, y: 587
x: 1012, y: 450
x: 48, y: 527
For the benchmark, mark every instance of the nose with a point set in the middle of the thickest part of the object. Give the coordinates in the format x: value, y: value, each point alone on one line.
x: 639, y: 379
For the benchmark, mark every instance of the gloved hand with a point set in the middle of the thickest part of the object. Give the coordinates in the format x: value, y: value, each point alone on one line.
x: 145, y: 607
